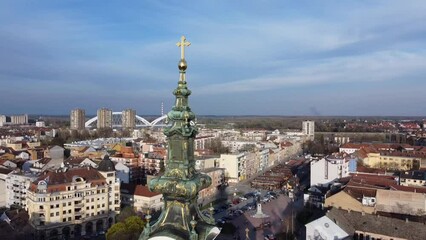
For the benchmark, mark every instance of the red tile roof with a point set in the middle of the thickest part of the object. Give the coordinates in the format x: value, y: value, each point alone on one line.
x: 58, y: 180
x: 138, y: 190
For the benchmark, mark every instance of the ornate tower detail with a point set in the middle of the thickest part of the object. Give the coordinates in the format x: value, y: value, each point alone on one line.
x: 181, y: 218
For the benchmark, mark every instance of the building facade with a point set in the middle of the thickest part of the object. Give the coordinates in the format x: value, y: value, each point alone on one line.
x: 326, y: 170
x: 213, y: 191
x: 202, y: 163
x: 308, y: 128
x: 234, y: 165
x: 104, y: 118
x: 2, y: 120
x: 128, y: 118
x: 19, y: 119
x: 77, y: 119
x: 17, y: 184
x: 140, y: 198
x: 74, y: 202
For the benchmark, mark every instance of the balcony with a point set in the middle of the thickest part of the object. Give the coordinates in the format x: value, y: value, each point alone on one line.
x: 79, y: 205
x: 79, y: 214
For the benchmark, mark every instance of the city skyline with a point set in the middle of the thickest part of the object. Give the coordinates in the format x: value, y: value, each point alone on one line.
x: 274, y: 58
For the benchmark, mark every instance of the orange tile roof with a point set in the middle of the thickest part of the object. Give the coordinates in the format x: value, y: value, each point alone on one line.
x: 58, y: 180
x: 138, y: 190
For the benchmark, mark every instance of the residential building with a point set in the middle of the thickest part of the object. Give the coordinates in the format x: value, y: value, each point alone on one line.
x: 104, y: 118
x: 395, y: 160
x: 128, y: 118
x: 234, y: 165
x: 152, y: 162
x: 77, y: 119
x: 325, y: 170
x: 213, y: 191
x: 413, y: 178
x: 75, y: 162
x: 74, y: 202
x: 2, y: 120
x: 19, y: 119
x: 17, y: 184
x: 368, y: 226
x: 324, y: 228
x: 40, y: 124
x: 140, y: 198
x: 235, y: 146
x: 201, y: 142
x: 4, y: 172
x: 308, y: 128
x: 206, y: 162
x: 263, y: 156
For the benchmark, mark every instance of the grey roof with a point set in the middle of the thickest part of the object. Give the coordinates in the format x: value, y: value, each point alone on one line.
x: 106, y: 165
x: 393, y: 227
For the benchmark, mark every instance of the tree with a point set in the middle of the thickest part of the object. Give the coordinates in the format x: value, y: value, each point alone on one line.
x: 216, y: 146
x: 125, y: 213
x: 130, y: 229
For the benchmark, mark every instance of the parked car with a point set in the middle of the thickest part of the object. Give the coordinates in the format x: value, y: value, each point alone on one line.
x: 270, y: 237
x: 249, y: 195
x: 243, y: 199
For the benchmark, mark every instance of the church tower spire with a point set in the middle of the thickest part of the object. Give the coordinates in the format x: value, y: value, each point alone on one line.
x: 181, y: 218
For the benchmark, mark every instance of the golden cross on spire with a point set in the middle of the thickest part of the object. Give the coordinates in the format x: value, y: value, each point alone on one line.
x: 182, y: 44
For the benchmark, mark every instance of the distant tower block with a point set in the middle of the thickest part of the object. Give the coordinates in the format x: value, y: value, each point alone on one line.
x: 128, y: 118
x: 308, y: 128
x: 77, y: 119
x: 104, y: 118
x: 162, y: 109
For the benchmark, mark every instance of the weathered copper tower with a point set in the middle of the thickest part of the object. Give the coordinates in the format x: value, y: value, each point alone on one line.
x: 181, y: 218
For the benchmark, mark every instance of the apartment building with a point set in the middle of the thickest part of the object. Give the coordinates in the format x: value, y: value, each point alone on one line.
x: 2, y: 120
x: 77, y: 119
x: 74, y: 202
x: 19, y: 119
x: 128, y: 118
x: 326, y: 170
x: 104, y: 118
x: 141, y: 198
x: 308, y: 129
x: 17, y: 184
x: 202, y: 142
x: 213, y: 191
x: 235, y: 166
x: 206, y: 162
x: 263, y: 156
x: 413, y: 178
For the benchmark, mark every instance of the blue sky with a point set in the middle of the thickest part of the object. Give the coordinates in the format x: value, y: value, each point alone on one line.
x: 246, y: 58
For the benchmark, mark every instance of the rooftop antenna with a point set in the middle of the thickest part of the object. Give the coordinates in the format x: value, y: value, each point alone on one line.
x: 162, y: 109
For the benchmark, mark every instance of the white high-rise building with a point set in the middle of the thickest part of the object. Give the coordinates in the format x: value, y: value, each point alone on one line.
x: 77, y: 118
x: 104, y: 118
x: 2, y: 120
x: 19, y: 119
x: 308, y: 128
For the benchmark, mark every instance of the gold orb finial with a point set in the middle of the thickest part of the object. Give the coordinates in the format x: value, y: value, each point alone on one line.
x: 182, y: 44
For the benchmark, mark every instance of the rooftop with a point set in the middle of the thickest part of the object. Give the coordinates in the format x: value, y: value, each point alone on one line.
x: 352, y: 221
